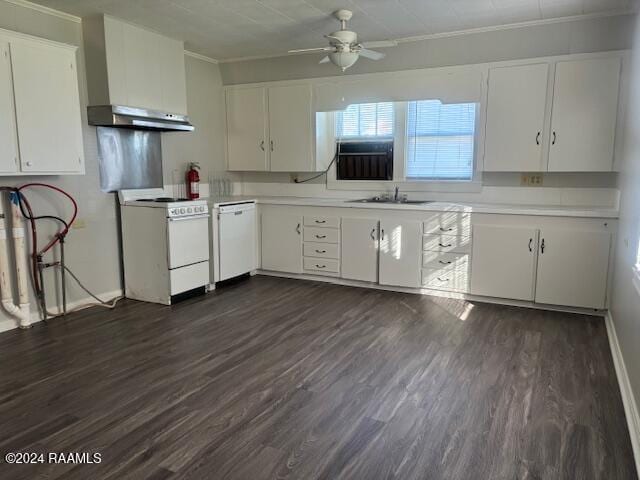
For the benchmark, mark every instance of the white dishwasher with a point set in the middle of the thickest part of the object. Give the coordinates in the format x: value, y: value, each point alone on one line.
x: 236, y: 239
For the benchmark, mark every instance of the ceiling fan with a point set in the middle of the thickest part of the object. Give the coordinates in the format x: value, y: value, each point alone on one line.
x: 344, y: 49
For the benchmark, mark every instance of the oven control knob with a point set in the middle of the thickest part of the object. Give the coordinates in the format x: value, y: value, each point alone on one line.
x: 182, y: 210
x: 202, y: 209
x: 189, y: 210
x: 173, y: 212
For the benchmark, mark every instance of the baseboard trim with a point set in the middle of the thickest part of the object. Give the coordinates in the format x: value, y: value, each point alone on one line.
x: 630, y: 405
x: 8, y: 323
x: 434, y: 293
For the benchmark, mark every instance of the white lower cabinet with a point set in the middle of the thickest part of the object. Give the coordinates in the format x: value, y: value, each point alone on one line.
x: 503, y: 261
x: 281, y: 242
x: 573, y: 267
x: 360, y: 249
x: 400, y: 252
x: 553, y: 265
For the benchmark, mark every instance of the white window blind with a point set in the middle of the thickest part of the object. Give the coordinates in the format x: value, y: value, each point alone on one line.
x: 440, y: 139
x: 366, y: 121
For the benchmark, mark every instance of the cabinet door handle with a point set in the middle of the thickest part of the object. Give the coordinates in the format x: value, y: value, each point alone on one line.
x: 321, y: 221
x: 321, y: 251
x: 373, y: 234
x: 542, y: 246
x: 445, y: 246
x: 443, y: 279
x: 553, y: 142
x: 538, y: 138
x: 262, y: 145
x: 298, y: 229
x: 444, y: 263
x: 320, y: 266
x: 382, y: 234
x: 445, y: 229
x: 271, y: 144
x: 531, y: 244
x: 321, y: 236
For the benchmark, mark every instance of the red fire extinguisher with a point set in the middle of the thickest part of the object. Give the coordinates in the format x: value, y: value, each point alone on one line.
x: 193, y: 181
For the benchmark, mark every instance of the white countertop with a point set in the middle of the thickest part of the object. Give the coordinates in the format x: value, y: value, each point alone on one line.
x: 504, y: 209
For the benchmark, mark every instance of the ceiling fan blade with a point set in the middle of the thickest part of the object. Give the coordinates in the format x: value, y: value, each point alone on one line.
x: 305, y: 50
x: 370, y: 54
x: 325, y: 60
x: 380, y: 44
x: 331, y: 37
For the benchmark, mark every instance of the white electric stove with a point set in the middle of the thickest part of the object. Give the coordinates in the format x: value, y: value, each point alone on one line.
x: 165, y: 243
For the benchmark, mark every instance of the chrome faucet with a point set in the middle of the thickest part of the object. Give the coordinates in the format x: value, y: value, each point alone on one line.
x: 396, y: 193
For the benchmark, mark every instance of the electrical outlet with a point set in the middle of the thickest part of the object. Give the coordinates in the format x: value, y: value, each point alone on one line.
x: 531, y: 180
x: 79, y: 223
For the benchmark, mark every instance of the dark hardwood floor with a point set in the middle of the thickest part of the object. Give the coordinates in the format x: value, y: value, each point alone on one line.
x: 276, y: 378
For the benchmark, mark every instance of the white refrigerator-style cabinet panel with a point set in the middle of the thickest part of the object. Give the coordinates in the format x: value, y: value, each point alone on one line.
x: 400, y: 253
x: 515, y: 118
x: 290, y: 128
x: 573, y: 267
x: 8, y: 139
x: 47, y: 105
x: 282, y: 242
x: 247, y: 148
x: 360, y: 249
x: 503, y: 261
x: 585, y: 110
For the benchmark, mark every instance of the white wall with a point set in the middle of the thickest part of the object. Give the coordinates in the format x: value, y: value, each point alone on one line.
x: 625, y: 301
x: 92, y: 250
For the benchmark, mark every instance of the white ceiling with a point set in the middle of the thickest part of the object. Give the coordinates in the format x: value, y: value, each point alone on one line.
x: 226, y: 29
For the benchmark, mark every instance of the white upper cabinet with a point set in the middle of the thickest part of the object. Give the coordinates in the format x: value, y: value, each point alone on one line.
x: 247, y: 143
x: 585, y: 110
x: 515, y: 118
x: 8, y: 138
x: 400, y: 252
x: 131, y: 66
x: 47, y: 107
x: 503, y: 261
x: 290, y: 128
x: 279, y: 121
x: 360, y: 249
x: 573, y: 267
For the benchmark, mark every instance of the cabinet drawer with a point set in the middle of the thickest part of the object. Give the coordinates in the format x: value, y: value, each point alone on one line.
x: 318, y: 221
x: 448, y: 279
x: 448, y: 223
x: 321, y: 235
x: 321, y: 250
x: 322, y: 265
x: 437, y: 260
x: 446, y: 243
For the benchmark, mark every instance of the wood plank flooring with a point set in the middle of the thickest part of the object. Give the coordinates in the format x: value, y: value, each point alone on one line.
x: 276, y: 378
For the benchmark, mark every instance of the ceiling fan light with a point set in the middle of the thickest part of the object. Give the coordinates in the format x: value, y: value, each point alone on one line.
x: 343, y: 59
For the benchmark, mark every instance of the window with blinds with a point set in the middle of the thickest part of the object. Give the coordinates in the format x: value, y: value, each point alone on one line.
x: 365, y: 121
x: 440, y: 140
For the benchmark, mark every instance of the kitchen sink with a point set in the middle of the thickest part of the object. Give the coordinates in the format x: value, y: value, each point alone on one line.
x: 391, y: 201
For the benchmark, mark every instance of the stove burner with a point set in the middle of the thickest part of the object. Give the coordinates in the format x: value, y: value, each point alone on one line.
x: 162, y: 200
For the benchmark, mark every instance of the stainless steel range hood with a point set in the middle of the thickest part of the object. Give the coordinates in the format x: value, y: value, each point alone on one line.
x: 119, y: 116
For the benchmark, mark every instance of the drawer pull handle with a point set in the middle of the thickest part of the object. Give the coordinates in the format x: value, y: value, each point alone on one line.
x: 320, y: 266
x: 321, y: 251
x: 321, y: 221
x: 445, y: 263
x: 531, y: 244
x: 445, y: 229
x: 445, y: 246
x: 443, y: 279
x: 321, y: 236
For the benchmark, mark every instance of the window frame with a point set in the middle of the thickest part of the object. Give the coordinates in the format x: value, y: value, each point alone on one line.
x: 636, y: 268
x: 400, y: 139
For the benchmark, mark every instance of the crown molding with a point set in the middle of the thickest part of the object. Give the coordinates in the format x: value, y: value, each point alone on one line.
x: 470, y: 31
x: 199, y: 56
x: 47, y: 10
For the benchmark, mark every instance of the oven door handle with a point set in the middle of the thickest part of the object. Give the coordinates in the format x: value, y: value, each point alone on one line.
x: 190, y: 217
